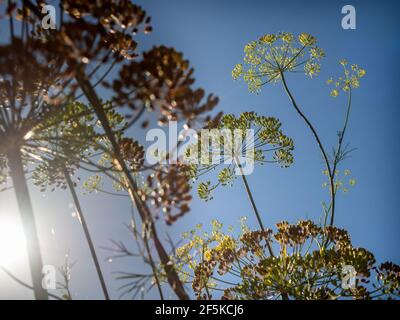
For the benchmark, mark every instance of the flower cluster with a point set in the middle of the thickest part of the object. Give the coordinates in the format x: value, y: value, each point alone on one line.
x: 98, y: 30
x: 267, y: 58
x: 350, y: 80
x: 169, y: 190
x: 229, y: 150
x: 162, y: 81
x: 132, y: 152
x: 31, y: 81
x: 64, y: 142
x: 343, y: 180
x: 309, y: 265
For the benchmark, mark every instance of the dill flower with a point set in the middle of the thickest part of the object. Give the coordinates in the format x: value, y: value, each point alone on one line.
x: 268, y: 38
x: 334, y: 93
x: 237, y: 71
x: 350, y: 80
x: 268, y: 58
x: 307, y: 39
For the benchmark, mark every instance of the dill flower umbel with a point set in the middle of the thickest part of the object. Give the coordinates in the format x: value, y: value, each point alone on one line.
x: 350, y: 80
x: 273, y: 54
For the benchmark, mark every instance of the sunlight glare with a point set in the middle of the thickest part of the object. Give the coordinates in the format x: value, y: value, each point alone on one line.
x: 12, y: 243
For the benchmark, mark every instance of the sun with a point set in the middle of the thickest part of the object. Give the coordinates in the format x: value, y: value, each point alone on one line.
x: 12, y: 243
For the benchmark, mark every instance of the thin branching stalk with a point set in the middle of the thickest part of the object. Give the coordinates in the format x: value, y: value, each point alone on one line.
x: 340, y: 145
x: 320, y: 145
x: 87, y: 234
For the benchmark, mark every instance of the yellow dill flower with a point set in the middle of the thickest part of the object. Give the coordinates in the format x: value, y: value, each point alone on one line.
x: 312, y: 69
x: 199, y: 226
x: 287, y: 37
x: 272, y: 55
x: 185, y: 235
x: 237, y: 71
x: 249, y: 47
x: 227, y: 242
x: 216, y: 224
x: 268, y: 38
x: 361, y: 73
x: 354, y: 82
x: 317, y: 53
x: 307, y: 39
x: 207, y: 255
x: 334, y: 93
x: 350, y: 79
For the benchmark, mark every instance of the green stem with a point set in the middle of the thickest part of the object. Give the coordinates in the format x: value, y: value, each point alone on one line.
x: 253, y: 204
x: 339, y: 148
x: 320, y: 145
x: 28, y: 222
x: 87, y: 234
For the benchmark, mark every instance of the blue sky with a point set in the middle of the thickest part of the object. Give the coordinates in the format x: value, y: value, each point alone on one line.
x: 212, y: 34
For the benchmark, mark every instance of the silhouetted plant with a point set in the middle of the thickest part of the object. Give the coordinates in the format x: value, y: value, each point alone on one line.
x: 92, y: 38
x: 29, y: 96
x: 41, y: 130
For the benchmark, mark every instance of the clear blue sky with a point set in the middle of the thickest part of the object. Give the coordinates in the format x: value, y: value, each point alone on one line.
x: 212, y: 35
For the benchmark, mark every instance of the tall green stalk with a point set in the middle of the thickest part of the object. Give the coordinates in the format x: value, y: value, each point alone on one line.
x: 87, y: 234
x: 338, y: 153
x: 28, y: 222
x: 331, y: 174
x: 285, y: 296
x: 253, y: 204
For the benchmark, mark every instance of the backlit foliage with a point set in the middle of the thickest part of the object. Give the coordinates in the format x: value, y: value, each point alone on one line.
x: 56, y: 66
x: 54, y: 145
x: 70, y: 139
x: 270, y: 145
x: 29, y: 92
